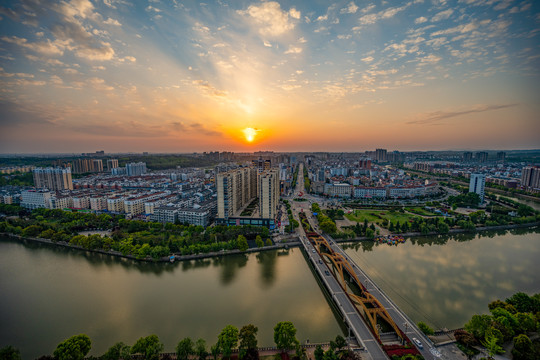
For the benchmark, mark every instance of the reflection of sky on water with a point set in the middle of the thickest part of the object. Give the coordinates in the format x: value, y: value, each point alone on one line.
x: 446, y: 280
x: 50, y: 294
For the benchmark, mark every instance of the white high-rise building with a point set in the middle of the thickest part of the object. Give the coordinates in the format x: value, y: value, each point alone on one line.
x: 135, y: 169
x: 477, y: 185
x: 268, y: 193
x: 34, y: 199
x: 235, y: 189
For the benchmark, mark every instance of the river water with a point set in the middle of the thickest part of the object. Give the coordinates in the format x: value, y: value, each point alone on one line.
x: 48, y: 294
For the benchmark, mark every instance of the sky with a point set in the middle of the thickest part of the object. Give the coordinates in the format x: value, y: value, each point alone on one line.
x: 186, y: 76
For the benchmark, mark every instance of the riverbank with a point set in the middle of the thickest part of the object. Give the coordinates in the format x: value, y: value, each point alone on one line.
x: 451, y: 231
x: 164, y: 259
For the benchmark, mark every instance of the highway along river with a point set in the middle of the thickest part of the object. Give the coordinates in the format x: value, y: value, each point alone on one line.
x: 49, y: 294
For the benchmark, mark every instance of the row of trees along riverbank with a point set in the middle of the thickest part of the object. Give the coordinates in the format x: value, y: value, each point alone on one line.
x: 231, y: 343
x: 142, y: 240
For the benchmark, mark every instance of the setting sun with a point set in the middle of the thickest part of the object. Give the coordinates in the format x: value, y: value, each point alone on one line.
x: 250, y: 134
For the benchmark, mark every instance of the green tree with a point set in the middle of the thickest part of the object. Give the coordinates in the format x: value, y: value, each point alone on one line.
x: 149, y: 346
x: 185, y: 348
x: 285, y: 335
x: 248, y: 337
x: 268, y: 242
x: 330, y: 355
x: 215, y: 350
x: 10, y: 353
x: 340, y: 342
x: 478, y: 325
x: 524, y: 303
x: 200, y: 349
x: 328, y: 226
x: 74, y: 348
x: 523, y: 348
x: 242, y: 243
x: 228, y: 340
x: 319, y: 353
x: 258, y: 241
x: 116, y: 352
x: 492, y: 346
x: 425, y: 328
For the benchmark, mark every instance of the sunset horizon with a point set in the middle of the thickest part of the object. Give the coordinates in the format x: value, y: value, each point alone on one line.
x: 182, y: 77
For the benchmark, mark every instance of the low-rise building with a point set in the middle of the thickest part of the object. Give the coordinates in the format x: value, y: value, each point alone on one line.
x: 34, y: 199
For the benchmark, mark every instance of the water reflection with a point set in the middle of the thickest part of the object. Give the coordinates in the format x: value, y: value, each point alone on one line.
x: 267, y: 260
x: 445, y: 285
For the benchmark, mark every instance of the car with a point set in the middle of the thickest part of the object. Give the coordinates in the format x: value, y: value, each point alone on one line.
x: 313, y: 251
x: 418, y: 343
x: 326, y: 272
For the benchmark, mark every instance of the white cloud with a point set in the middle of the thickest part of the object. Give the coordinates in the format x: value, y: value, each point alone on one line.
x: 267, y: 44
x: 443, y: 15
x: 322, y: 17
x: 294, y: 13
x: 350, y: 9
x: 273, y: 21
x: 293, y: 50
x: 420, y: 20
x: 42, y: 47
x: 111, y: 21
x: 367, y: 59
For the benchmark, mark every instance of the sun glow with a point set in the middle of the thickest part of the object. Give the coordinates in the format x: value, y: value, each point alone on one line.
x: 250, y: 134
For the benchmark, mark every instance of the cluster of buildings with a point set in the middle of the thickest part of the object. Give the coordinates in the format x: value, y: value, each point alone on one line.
x: 16, y: 169
x: 512, y: 176
x: 362, y: 177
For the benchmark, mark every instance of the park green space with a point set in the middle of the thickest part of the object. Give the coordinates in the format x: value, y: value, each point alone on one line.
x: 377, y: 216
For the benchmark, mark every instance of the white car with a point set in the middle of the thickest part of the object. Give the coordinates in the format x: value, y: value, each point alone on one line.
x: 417, y: 343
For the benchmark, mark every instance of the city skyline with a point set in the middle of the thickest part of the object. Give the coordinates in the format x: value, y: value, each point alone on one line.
x: 245, y: 76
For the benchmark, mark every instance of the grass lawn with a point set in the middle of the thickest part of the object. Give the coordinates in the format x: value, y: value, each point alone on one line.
x: 421, y: 211
x: 371, y: 216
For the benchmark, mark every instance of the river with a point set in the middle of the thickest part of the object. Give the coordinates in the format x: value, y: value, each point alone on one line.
x: 49, y: 294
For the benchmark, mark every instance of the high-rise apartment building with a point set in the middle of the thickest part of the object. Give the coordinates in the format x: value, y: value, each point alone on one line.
x: 235, y: 189
x: 501, y: 156
x: 530, y: 177
x: 381, y: 155
x: 262, y: 165
x: 481, y: 156
x: 467, y: 156
x: 97, y: 165
x: 477, y: 185
x: 268, y: 193
x: 135, y: 169
x: 53, y: 178
x: 112, y: 164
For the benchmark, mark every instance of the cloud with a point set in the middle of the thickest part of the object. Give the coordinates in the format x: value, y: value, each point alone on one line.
x: 350, y: 9
x: 111, y: 21
x: 293, y: 50
x: 208, y: 89
x: 438, y: 116
x: 82, y: 42
x: 42, y: 47
x: 367, y: 59
x: 383, y: 14
x: 443, y: 15
x: 420, y: 20
x: 272, y: 20
x: 295, y: 14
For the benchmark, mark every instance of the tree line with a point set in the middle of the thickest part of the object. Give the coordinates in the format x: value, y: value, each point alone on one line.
x: 143, y: 240
x: 230, y: 339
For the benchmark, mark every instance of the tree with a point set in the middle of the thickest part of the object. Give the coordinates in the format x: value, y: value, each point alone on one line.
x: 228, y: 339
x: 328, y: 226
x: 340, y: 342
x: 10, y: 353
x: 319, y: 353
x: 425, y: 328
x: 215, y: 350
x: 184, y: 349
x: 258, y: 241
x: 524, y: 303
x: 116, y: 352
x: 149, y: 346
x: 523, y: 348
x: 200, y: 349
x: 285, y: 335
x: 492, y: 346
x: 74, y: 348
x: 478, y: 325
x: 268, y: 242
x: 465, y: 338
x: 248, y: 337
x: 242, y: 243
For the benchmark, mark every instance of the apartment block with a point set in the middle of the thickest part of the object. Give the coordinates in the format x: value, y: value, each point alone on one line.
x: 477, y: 185
x: 268, y: 193
x: 34, y: 199
x: 235, y: 189
x: 53, y: 178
